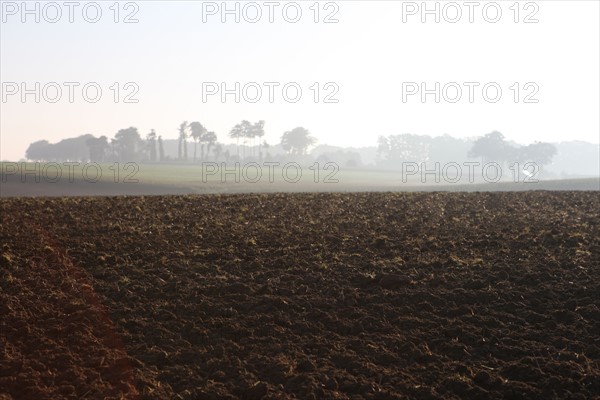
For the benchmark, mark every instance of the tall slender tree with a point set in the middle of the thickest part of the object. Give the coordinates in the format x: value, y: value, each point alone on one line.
x: 258, y: 131
x: 151, y: 143
x: 197, y: 131
x: 182, y: 151
x: 246, y: 134
x: 161, y: 149
x: 236, y: 133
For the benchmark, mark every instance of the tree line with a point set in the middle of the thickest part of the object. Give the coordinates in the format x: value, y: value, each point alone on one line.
x: 128, y: 145
x: 492, y: 147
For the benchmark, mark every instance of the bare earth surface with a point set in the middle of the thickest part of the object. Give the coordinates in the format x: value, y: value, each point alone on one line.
x: 365, y: 295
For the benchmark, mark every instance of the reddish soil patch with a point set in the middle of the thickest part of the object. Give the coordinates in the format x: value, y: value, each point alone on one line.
x: 381, y: 296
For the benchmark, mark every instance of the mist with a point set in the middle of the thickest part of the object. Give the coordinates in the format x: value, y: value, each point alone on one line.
x: 438, y: 94
x: 299, y: 200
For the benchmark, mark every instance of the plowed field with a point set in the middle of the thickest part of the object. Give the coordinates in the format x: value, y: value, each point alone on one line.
x: 378, y: 296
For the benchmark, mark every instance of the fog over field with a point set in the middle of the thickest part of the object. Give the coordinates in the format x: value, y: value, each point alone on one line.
x: 378, y: 85
x: 349, y: 199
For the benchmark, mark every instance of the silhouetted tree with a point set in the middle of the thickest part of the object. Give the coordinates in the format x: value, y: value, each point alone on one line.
x: 492, y: 147
x: 38, y: 151
x: 70, y: 149
x: 182, y: 151
x: 297, y: 141
x: 197, y: 131
x: 445, y: 149
x: 258, y: 131
x: 127, y: 144
x: 161, y: 149
x: 236, y: 133
x: 246, y: 134
x: 538, y: 152
x: 98, y: 148
x: 405, y: 147
x: 151, y: 141
x: 383, y: 147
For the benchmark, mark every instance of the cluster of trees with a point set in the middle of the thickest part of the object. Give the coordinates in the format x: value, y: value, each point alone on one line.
x: 297, y: 141
x: 405, y: 147
x: 246, y: 131
x: 394, y: 149
x: 493, y: 147
x: 128, y: 145
x: 342, y: 157
x: 200, y: 135
x: 70, y: 149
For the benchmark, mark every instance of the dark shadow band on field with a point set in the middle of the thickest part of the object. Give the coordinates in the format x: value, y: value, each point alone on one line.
x: 16, y: 188
x: 12, y: 186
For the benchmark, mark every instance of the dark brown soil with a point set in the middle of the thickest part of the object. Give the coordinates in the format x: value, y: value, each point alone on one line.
x: 380, y: 296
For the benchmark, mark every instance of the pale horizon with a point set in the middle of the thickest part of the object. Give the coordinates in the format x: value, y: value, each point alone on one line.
x: 369, y: 54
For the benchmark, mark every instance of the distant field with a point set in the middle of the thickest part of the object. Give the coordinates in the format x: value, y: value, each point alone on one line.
x: 107, y: 179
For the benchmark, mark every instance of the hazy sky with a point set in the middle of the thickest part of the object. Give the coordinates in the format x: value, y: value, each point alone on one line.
x: 369, y: 54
